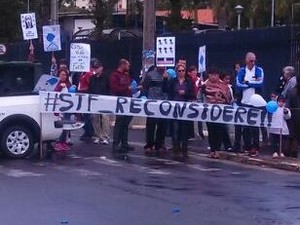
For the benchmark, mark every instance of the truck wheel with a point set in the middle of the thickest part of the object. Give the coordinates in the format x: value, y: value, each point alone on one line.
x: 17, y: 142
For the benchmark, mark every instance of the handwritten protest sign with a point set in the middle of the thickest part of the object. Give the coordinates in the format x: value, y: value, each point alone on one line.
x: 51, y: 102
x: 80, y: 57
x: 28, y: 24
x: 51, y: 38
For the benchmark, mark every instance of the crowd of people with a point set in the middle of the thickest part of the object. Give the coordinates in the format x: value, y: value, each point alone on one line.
x: 185, y: 84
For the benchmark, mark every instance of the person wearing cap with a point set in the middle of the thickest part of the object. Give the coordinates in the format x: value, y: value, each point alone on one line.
x: 290, y: 82
x: 99, y: 84
x: 120, y: 85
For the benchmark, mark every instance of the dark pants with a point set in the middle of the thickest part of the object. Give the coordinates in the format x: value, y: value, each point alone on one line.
x: 180, y: 135
x: 155, y: 132
x: 276, y: 142
x: 215, y: 136
x: 88, y: 126
x: 226, y: 138
x: 251, y: 137
x: 238, y: 131
x: 120, y: 133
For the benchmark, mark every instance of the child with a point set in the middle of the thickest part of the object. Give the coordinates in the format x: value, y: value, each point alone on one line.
x: 63, y: 85
x: 226, y: 78
x: 279, y: 128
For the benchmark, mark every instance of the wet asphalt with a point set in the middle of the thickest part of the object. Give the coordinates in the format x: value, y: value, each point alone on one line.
x: 89, y: 186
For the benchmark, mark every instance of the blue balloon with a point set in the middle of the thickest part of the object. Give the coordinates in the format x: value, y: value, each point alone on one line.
x: 172, y: 73
x: 134, y: 87
x: 72, y: 89
x: 272, y: 106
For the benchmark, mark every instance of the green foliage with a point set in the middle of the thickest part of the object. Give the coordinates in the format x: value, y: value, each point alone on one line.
x: 103, y: 13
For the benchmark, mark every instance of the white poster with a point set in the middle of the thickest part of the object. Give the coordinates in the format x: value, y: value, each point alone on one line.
x: 202, y: 59
x: 46, y: 83
x: 28, y: 24
x: 165, y: 51
x: 80, y: 57
x: 51, y: 102
x: 51, y: 38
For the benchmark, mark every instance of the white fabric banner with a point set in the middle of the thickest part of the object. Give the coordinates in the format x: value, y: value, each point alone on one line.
x: 28, y: 24
x: 51, y: 102
x: 51, y: 38
x: 80, y: 57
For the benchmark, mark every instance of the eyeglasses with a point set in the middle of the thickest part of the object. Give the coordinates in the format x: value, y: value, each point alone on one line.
x: 180, y: 71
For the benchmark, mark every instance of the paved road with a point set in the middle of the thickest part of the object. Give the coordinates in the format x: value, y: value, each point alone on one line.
x: 90, y: 187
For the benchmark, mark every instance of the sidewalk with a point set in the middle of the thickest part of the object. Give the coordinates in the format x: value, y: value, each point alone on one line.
x: 264, y: 159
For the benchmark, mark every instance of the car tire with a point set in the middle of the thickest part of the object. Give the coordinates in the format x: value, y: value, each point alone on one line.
x: 17, y: 142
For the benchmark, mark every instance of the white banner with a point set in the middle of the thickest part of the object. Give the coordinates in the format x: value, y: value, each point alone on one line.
x: 28, y: 24
x: 80, y: 57
x: 165, y: 51
x: 202, y: 59
x: 51, y: 38
x: 51, y: 102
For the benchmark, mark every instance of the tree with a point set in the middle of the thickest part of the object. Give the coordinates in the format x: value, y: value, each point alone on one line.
x: 103, y: 11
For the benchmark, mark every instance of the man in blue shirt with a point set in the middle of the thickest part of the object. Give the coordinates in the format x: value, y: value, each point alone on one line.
x: 250, y: 81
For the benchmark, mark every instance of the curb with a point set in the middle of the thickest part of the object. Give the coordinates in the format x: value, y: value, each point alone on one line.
x: 272, y: 163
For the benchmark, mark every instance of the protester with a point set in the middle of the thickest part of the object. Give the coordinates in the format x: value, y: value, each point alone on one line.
x: 290, y: 82
x: 192, y: 72
x: 155, y: 127
x: 250, y: 80
x: 83, y: 87
x: 279, y: 129
x: 99, y: 84
x: 63, y: 85
x: 216, y: 92
x: 237, y: 96
x: 226, y: 78
x: 180, y: 88
x: 295, y: 120
x: 119, y: 82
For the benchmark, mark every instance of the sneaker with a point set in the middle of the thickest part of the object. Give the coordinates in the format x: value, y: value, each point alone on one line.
x: 97, y: 141
x: 253, y: 153
x: 275, y: 155
x: 282, y: 155
x: 104, y: 142
x: 65, y: 146
x: 58, y: 146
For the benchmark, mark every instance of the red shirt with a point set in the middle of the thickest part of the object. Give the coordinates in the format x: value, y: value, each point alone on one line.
x: 119, y: 84
x: 84, y: 81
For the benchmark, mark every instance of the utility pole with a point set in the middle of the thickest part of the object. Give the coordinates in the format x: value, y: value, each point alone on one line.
x: 272, y: 13
x: 54, y: 12
x: 149, y: 25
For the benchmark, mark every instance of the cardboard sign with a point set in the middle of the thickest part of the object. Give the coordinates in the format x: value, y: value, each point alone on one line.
x: 51, y: 38
x: 80, y: 57
x: 165, y: 51
x: 28, y: 24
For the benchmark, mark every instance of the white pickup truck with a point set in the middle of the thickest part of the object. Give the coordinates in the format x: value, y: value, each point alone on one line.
x: 20, y: 118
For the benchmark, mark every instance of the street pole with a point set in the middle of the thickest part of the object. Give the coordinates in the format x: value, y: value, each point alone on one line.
x: 239, y: 22
x: 54, y: 12
x: 149, y: 25
x: 273, y: 13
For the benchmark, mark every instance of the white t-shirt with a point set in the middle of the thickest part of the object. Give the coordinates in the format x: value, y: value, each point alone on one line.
x: 279, y: 124
x: 247, y: 93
